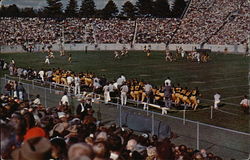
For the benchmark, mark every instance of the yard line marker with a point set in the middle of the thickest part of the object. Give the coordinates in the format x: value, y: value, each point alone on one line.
x: 224, y: 87
x: 232, y: 97
x: 227, y: 112
x: 233, y: 104
x: 224, y: 79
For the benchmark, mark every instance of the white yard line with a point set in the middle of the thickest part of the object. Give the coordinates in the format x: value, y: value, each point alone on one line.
x: 232, y: 97
x: 224, y: 87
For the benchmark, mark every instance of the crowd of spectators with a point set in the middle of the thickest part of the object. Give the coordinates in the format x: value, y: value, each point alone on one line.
x: 237, y: 28
x: 31, y: 131
x: 19, y: 31
x: 205, y: 18
x: 211, y: 21
x: 114, y: 31
x: 78, y: 30
x: 155, y: 30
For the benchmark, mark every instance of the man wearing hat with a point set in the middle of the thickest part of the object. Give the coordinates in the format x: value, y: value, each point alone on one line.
x: 37, y: 148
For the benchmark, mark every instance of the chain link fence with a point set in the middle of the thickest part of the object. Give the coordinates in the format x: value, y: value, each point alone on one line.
x: 221, y: 141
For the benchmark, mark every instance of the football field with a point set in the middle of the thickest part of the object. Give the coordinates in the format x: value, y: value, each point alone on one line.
x: 227, y: 74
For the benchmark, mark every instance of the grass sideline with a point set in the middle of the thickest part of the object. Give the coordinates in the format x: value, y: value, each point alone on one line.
x: 227, y: 74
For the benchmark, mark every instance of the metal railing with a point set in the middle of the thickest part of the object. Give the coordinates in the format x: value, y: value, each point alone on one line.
x: 197, y: 134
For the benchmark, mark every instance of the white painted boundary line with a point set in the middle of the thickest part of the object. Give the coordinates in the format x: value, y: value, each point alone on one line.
x: 224, y: 79
x: 233, y: 104
x: 232, y: 97
x: 225, y: 87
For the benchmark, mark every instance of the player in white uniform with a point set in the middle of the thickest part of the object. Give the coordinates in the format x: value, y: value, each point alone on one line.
x: 117, y: 56
x: 182, y: 53
x: 106, y: 94
x: 216, y: 100
x: 41, y: 74
x: 61, y: 45
x: 168, y: 56
x: 47, y: 60
x: 245, y: 103
x: 197, y: 56
x: 124, y: 51
x: 77, y: 81
x: 124, y: 91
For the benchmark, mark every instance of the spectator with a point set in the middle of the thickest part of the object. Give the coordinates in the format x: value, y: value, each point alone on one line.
x: 65, y: 99
x: 245, y: 103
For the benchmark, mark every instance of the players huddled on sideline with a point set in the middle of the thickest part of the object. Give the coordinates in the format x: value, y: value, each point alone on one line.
x: 137, y: 90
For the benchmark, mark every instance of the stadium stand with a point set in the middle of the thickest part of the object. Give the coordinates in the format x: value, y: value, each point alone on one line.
x: 114, y: 31
x: 155, y: 30
x: 212, y: 22
x: 208, y: 18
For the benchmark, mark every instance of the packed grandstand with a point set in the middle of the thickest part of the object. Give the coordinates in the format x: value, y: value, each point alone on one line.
x: 31, y: 131
x: 212, y: 22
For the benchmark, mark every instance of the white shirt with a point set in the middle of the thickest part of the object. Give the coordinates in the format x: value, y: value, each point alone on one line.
x: 115, y: 85
x: 69, y: 79
x: 106, y: 88
x: 96, y: 83
x: 245, y: 102
x: 41, y: 73
x: 65, y: 99
x: 49, y: 73
x: 124, y: 88
x: 120, y: 81
x: 168, y: 81
x: 147, y: 88
x: 37, y: 101
x: 123, y: 77
x: 77, y: 81
x: 25, y: 72
x: 217, y: 97
x: 111, y: 88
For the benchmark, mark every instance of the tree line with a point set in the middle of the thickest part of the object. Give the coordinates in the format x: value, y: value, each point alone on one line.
x: 87, y: 9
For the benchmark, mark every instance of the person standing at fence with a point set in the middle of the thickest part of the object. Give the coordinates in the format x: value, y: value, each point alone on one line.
x: 82, y: 109
x: 65, y: 99
x: 148, y: 90
x: 168, y: 95
x: 69, y: 79
x: 216, y: 100
x: 49, y: 75
x: 168, y: 80
x: 77, y: 81
x: 111, y: 90
x: 37, y: 101
x: 21, y: 91
x: 245, y: 103
x: 11, y: 70
x: 41, y: 74
x: 124, y: 91
x: 106, y: 93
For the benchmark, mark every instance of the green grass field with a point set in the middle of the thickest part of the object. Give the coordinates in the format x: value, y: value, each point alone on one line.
x: 227, y: 74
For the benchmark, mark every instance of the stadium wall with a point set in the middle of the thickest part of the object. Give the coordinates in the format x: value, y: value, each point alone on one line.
x: 237, y: 49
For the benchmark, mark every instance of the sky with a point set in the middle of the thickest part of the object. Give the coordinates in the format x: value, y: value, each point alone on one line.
x: 41, y: 3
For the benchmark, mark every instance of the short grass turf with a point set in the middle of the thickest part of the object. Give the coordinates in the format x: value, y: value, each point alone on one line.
x: 227, y: 74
